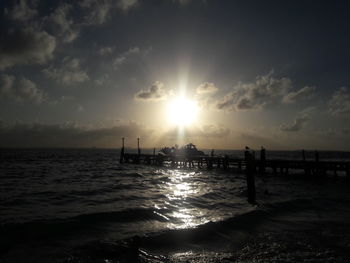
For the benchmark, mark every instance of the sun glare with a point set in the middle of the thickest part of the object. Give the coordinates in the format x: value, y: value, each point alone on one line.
x: 182, y: 111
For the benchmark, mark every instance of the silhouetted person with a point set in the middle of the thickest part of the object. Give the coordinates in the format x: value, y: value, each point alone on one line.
x: 303, y: 154
x: 212, y: 152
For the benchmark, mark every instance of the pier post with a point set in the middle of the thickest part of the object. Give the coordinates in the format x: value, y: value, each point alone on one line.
x: 137, y: 157
x: 306, y: 166
x: 239, y: 166
x: 121, y: 159
x: 172, y: 161
x: 262, y: 161
x: 226, y: 162
x: 154, y: 156
x: 209, y: 161
x: 138, y: 147
x: 250, y: 169
x: 317, y: 164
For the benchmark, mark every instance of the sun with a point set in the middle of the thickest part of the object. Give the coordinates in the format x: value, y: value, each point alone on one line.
x: 182, y: 111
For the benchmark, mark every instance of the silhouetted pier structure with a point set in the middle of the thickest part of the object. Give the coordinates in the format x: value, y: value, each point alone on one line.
x: 262, y: 165
x: 224, y: 162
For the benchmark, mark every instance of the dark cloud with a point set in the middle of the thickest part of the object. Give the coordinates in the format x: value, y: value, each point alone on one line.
x: 256, y: 95
x: 106, y: 51
x: 68, y: 73
x: 102, y: 79
x: 62, y: 25
x: 22, y: 11
x: 131, y: 56
x: 99, y: 11
x: 127, y: 4
x: 20, y: 89
x: 68, y: 135
x: 25, y: 46
x: 206, y: 88
x: 339, y: 104
x: 304, y: 93
x: 297, y: 125
x: 184, y: 2
x: 154, y: 93
x: 227, y: 102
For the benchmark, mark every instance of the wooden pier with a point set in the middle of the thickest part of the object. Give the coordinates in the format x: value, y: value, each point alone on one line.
x: 260, y: 166
x: 249, y: 164
x: 275, y: 166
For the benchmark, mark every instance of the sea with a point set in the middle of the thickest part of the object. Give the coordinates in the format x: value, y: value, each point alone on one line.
x: 81, y: 205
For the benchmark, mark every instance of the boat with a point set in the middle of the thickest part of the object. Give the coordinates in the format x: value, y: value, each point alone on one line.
x: 189, y: 150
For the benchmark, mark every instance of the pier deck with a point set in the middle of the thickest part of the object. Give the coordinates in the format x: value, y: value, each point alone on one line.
x: 276, y: 166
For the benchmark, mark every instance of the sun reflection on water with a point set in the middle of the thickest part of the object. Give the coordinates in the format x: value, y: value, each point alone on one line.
x: 179, y: 189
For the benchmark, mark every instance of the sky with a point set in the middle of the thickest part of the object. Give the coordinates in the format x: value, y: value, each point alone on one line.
x: 87, y: 73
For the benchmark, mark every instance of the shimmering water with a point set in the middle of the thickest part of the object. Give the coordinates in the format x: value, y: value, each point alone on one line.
x: 46, y: 185
x: 83, y: 195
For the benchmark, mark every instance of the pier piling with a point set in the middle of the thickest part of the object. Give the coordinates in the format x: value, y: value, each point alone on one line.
x: 250, y: 170
x: 121, y: 160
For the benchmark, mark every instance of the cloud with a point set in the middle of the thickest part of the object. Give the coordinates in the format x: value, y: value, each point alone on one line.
x: 25, y: 46
x: 20, y: 89
x: 339, y: 104
x: 206, y: 88
x: 68, y: 134
x: 106, y: 51
x: 69, y: 72
x: 182, y: 2
x: 256, y: 95
x: 102, y: 80
x: 304, y: 93
x: 227, y: 102
x: 297, y: 125
x: 154, y: 93
x: 127, y: 4
x: 22, y: 11
x: 62, y: 25
x: 124, y: 57
x: 99, y: 11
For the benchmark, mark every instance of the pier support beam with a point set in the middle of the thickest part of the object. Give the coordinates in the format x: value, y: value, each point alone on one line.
x: 138, y: 147
x: 250, y: 169
x: 121, y: 159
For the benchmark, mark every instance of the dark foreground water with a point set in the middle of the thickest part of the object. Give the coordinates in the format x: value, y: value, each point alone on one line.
x: 82, y: 206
